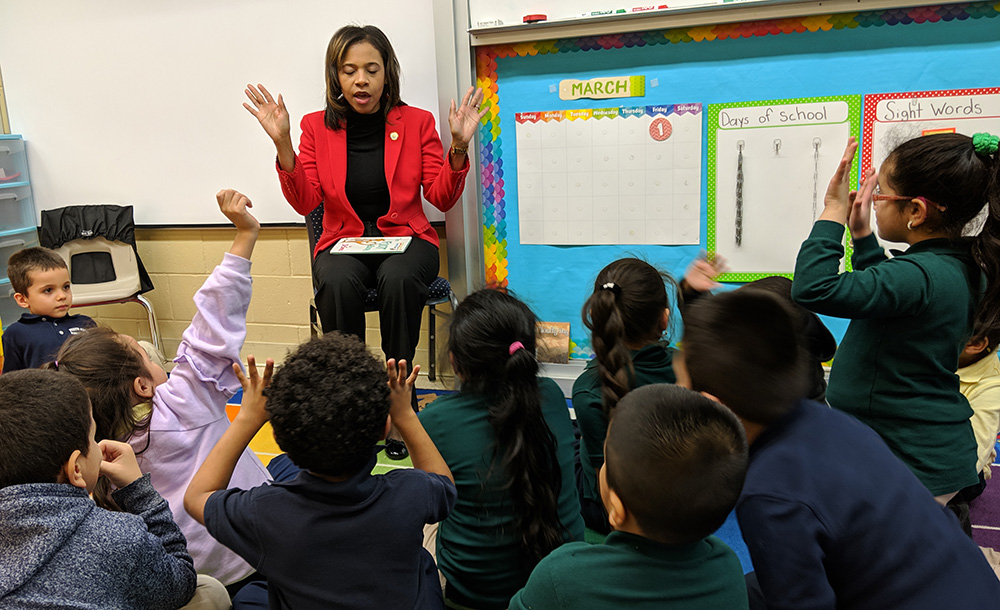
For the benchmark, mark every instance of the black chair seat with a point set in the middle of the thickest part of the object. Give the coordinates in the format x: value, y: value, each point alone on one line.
x: 439, y: 292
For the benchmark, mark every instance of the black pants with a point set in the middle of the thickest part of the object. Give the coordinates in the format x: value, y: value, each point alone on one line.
x: 342, y: 280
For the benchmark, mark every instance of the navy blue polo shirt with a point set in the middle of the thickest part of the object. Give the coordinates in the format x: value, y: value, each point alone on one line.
x: 356, y: 543
x: 34, y: 340
x: 834, y: 520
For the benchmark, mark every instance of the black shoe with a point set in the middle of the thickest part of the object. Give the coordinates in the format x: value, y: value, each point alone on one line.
x: 395, y: 450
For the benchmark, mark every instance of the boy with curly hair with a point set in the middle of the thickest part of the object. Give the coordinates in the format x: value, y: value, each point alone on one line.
x: 335, y: 531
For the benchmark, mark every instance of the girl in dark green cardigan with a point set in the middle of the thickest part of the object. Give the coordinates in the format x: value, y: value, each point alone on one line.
x: 627, y: 315
x: 508, y: 440
x: 913, y: 313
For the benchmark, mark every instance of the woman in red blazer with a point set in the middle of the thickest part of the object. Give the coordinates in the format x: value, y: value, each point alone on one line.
x: 366, y: 159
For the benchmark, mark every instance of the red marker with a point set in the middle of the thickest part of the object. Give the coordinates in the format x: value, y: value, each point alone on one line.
x: 534, y: 18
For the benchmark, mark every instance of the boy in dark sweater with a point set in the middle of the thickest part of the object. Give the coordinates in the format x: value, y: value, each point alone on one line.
x: 831, y: 517
x: 57, y: 548
x: 40, y: 279
x: 674, y: 464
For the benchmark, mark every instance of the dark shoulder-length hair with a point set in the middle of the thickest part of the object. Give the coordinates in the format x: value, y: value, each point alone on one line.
x: 343, y: 39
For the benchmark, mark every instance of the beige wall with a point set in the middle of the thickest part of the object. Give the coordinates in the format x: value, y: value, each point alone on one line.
x: 179, y: 260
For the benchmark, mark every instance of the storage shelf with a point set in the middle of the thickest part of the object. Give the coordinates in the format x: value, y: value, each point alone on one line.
x: 18, y: 231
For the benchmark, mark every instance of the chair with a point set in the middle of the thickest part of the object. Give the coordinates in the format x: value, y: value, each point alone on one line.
x: 439, y: 293
x: 98, y: 244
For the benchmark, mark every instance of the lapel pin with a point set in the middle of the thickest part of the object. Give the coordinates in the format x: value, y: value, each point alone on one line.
x: 394, y: 136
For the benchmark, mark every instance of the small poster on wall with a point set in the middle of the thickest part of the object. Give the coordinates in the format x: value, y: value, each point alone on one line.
x: 552, y: 342
x: 610, y: 175
x: 893, y: 118
x: 769, y: 163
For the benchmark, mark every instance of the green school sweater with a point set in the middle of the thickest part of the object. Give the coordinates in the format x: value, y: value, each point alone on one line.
x: 477, y: 551
x: 637, y: 573
x: 911, y: 315
x: 652, y: 365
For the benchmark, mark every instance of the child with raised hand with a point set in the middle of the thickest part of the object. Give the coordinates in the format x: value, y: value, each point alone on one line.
x: 335, y: 535
x: 911, y: 315
x: 627, y: 315
x: 675, y: 465
x: 172, y: 424
x: 508, y: 439
x: 57, y: 548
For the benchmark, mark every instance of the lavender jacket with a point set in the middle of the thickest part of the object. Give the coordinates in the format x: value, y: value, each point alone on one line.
x: 189, y: 411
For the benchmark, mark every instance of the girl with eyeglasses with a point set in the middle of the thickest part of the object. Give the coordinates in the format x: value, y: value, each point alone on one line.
x: 911, y: 314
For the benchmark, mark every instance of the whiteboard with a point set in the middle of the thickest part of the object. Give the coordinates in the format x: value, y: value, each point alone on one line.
x: 141, y: 102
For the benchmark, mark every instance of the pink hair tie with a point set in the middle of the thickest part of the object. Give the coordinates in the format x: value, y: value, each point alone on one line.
x: 515, y: 346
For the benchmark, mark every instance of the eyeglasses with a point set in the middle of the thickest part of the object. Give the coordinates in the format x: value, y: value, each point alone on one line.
x: 878, y: 196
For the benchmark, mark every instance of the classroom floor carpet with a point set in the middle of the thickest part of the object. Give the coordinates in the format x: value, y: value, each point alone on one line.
x: 264, y: 445
x: 984, y: 512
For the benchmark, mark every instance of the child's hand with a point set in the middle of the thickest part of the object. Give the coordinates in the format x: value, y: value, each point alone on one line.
x: 119, y: 463
x: 837, y: 203
x: 400, y: 387
x: 861, y: 207
x: 234, y: 205
x: 701, y: 273
x: 254, y: 406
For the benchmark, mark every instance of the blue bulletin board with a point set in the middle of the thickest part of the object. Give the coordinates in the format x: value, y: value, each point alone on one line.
x: 854, y: 54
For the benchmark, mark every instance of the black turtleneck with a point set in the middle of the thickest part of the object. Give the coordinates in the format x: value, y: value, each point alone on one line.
x: 366, y: 187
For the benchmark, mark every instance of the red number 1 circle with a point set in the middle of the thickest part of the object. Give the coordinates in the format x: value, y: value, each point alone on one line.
x: 660, y: 129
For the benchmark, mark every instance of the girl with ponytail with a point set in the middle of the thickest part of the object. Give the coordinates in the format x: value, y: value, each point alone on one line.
x: 911, y: 315
x: 627, y: 315
x: 508, y: 440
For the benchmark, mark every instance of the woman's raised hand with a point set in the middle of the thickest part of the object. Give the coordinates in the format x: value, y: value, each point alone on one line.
x: 272, y: 115
x: 464, y: 120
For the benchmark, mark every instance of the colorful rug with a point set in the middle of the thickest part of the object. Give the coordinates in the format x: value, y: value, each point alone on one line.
x: 984, y: 512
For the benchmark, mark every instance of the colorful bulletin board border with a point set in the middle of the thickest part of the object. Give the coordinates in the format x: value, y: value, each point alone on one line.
x: 872, y: 100
x: 490, y: 140
x: 853, y: 117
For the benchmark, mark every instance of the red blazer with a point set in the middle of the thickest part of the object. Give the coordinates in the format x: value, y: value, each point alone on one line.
x: 414, y: 158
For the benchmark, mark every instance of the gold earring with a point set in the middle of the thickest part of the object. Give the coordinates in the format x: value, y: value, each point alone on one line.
x: 909, y: 224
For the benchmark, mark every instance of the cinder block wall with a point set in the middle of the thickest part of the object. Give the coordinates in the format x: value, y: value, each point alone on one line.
x: 179, y: 260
